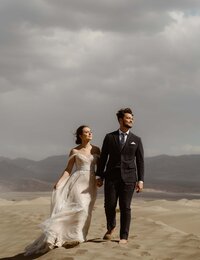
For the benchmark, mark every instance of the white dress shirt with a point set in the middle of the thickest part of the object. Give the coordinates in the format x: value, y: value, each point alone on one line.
x: 125, y: 133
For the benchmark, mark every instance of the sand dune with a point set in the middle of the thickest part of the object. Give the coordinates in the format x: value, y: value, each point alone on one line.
x: 160, y: 230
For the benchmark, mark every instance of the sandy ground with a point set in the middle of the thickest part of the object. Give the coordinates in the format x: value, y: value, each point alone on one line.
x: 160, y: 230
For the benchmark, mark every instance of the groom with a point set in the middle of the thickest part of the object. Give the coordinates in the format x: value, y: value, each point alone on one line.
x: 122, y: 156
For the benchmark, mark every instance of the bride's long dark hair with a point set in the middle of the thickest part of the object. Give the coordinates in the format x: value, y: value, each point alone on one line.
x: 79, y: 132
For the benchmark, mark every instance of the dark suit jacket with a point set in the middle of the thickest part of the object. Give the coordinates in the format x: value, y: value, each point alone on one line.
x: 128, y: 161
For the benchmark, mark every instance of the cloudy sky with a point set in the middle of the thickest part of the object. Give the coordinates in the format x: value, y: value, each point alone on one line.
x: 64, y: 63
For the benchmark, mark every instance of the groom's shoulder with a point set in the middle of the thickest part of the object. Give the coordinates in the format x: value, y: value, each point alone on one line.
x: 135, y: 136
x: 113, y: 133
x: 110, y: 135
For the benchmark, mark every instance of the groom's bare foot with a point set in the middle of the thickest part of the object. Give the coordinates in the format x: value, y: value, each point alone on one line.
x: 123, y: 241
x: 108, y: 234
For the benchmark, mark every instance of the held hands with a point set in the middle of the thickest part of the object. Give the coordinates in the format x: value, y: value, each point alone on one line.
x: 99, y: 182
x: 139, y: 186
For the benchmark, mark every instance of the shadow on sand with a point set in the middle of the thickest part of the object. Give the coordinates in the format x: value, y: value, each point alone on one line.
x: 100, y: 240
x: 21, y: 256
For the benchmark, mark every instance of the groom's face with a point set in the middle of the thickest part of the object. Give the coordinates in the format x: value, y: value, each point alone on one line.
x: 127, y: 120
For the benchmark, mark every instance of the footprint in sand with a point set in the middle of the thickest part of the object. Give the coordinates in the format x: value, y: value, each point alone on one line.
x: 135, y: 246
x: 145, y: 253
x: 81, y: 251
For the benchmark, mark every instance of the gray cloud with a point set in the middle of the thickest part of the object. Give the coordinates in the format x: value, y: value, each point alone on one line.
x: 66, y: 63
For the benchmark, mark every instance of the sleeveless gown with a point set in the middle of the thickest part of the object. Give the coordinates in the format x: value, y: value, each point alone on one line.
x: 71, y: 208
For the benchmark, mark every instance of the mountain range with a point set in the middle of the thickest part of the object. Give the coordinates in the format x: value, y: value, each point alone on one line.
x: 163, y: 172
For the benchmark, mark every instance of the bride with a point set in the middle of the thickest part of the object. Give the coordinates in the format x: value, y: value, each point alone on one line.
x: 73, y: 198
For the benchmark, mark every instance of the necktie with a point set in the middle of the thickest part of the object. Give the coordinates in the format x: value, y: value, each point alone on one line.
x: 122, y: 141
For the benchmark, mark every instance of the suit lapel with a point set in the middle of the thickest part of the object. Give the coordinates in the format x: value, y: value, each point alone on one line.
x: 116, y: 138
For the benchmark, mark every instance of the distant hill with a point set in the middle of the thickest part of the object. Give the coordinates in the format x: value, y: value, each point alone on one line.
x: 167, y: 173
x: 27, y: 175
x: 173, y: 173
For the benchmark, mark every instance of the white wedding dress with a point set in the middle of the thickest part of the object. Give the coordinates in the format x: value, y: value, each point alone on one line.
x: 71, y: 208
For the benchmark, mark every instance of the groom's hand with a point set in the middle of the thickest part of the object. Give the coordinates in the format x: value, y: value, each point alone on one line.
x: 99, y: 182
x: 139, y: 186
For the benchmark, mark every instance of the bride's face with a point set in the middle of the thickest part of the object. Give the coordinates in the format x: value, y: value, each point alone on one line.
x: 86, y: 134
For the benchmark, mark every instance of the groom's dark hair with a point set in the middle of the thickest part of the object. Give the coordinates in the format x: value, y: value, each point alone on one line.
x: 122, y: 111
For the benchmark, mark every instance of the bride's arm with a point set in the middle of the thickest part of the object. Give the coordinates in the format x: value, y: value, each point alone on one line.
x: 67, y: 170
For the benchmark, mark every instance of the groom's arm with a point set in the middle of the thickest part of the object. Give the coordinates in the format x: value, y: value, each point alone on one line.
x: 140, y: 166
x: 140, y: 161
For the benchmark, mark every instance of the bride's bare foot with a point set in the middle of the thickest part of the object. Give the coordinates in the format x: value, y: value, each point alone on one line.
x: 70, y: 244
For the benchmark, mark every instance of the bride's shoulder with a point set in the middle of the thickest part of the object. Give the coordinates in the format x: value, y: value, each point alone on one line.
x: 73, y: 152
x: 75, y: 149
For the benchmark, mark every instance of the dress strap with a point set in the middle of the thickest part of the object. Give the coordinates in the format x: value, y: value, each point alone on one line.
x: 71, y: 156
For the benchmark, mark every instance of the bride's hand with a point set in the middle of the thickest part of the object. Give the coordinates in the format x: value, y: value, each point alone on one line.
x: 55, y: 186
x: 61, y: 180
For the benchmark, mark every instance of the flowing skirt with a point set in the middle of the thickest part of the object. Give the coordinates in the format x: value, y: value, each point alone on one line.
x: 71, y: 210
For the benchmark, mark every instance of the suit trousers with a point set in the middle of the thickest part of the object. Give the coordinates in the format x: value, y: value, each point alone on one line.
x: 115, y: 190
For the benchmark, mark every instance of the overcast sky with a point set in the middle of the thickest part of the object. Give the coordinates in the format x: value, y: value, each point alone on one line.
x: 64, y: 63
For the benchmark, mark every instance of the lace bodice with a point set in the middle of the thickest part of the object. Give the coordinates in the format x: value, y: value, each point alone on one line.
x: 85, y: 162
